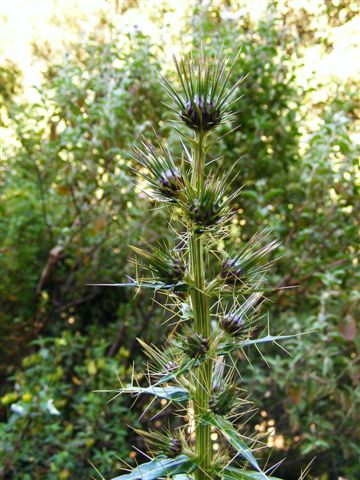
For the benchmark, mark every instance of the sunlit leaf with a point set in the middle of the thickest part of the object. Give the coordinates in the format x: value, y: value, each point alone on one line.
x: 232, y: 473
x: 159, y: 467
x: 233, y: 437
x: 180, y: 286
x: 175, y: 394
x: 232, y: 347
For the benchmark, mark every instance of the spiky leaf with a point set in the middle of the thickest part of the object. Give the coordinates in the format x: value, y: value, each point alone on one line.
x: 160, y: 467
x: 178, y: 287
x: 204, y: 100
x: 233, y: 437
x: 232, y: 473
x: 226, y: 348
x: 250, y: 260
x: 166, y: 265
x: 175, y: 394
x: 183, y: 477
x: 165, y: 179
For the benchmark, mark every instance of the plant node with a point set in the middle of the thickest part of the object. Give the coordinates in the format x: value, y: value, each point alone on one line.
x: 205, y: 214
x: 195, y: 345
x: 222, y: 400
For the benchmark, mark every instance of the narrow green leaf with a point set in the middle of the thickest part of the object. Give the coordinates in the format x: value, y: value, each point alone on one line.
x: 233, y: 437
x: 232, y: 473
x: 268, y: 338
x: 175, y: 394
x: 159, y: 467
x: 250, y: 194
x: 180, y: 286
x: 232, y: 347
x: 273, y: 193
x: 183, y: 477
x: 184, y: 368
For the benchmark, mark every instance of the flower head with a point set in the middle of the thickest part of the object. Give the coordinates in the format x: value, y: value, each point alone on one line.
x: 235, y: 320
x: 250, y: 260
x: 212, y: 205
x: 194, y: 345
x: 204, y: 100
x: 166, y: 266
x: 165, y: 178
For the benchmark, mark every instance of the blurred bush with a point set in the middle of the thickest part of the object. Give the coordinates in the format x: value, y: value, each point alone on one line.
x: 56, y: 423
x: 304, y: 184
x: 70, y: 209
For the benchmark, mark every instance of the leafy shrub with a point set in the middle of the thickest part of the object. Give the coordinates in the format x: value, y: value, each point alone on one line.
x: 55, y: 422
x: 69, y: 207
x: 313, y: 397
x: 10, y: 86
x: 307, y: 190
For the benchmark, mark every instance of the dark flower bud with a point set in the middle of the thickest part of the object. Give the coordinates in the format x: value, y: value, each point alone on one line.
x: 178, y: 268
x: 171, y: 366
x: 232, y: 323
x: 175, y: 447
x: 222, y: 400
x: 171, y: 182
x: 196, y: 346
x: 174, y: 273
x: 231, y: 270
x: 205, y: 215
x: 200, y: 115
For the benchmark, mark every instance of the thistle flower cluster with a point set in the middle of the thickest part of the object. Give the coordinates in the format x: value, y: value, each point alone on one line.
x: 205, y: 99
x: 217, y: 311
x: 164, y: 178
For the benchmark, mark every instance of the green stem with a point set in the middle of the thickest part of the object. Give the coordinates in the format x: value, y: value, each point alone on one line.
x: 201, y: 312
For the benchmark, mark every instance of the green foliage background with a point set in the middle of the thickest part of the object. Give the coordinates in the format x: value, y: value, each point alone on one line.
x: 70, y: 206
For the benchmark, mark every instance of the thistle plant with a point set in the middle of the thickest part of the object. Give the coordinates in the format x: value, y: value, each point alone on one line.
x: 214, y: 296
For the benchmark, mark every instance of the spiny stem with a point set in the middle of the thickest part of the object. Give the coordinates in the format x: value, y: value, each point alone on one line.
x: 197, y: 178
x: 201, y: 312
